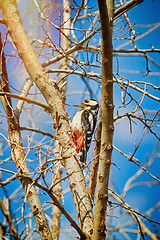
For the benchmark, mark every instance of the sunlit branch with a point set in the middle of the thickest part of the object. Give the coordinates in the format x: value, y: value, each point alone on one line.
x: 143, y: 51
x: 126, y: 7
x: 26, y: 99
x: 127, y: 207
x: 24, y: 93
x: 118, y: 12
x: 134, y: 214
x: 135, y: 161
x: 71, y: 50
x: 37, y: 131
x: 129, y: 84
x: 141, y: 36
x: 83, y: 74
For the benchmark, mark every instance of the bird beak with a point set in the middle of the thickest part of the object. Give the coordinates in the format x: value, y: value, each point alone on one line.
x: 80, y: 105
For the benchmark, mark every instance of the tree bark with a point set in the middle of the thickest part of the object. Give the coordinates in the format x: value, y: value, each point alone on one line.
x: 106, y: 10
x: 62, y: 85
x: 57, y: 110
x: 57, y: 191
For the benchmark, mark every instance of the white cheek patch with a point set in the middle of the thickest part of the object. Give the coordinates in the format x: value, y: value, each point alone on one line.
x: 76, y: 122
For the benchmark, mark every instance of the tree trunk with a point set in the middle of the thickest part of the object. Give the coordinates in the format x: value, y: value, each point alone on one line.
x: 106, y: 9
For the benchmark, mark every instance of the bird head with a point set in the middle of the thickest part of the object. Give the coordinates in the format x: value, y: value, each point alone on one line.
x: 89, y: 104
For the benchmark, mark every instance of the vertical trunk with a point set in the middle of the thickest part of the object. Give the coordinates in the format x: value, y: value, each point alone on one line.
x: 65, y: 42
x: 106, y: 9
x: 57, y: 191
x: 62, y: 85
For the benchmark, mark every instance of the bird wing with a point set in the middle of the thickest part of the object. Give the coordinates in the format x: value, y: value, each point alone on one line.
x: 87, y: 121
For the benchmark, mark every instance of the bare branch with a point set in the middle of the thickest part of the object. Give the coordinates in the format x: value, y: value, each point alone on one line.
x: 5, y: 212
x: 126, y: 7
x: 24, y: 93
x: 26, y: 99
x: 134, y: 214
x: 37, y: 131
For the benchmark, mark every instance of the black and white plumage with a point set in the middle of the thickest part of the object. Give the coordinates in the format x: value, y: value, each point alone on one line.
x: 83, y: 126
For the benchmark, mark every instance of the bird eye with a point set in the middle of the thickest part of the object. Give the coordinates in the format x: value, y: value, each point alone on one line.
x: 95, y: 107
x: 87, y: 101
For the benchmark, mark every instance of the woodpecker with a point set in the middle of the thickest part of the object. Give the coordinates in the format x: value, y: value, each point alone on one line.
x: 83, y: 126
